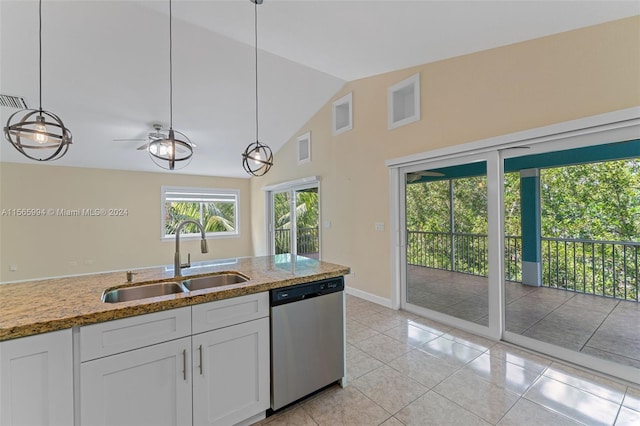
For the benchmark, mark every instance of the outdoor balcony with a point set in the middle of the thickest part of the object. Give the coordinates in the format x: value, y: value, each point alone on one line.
x: 587, y: 300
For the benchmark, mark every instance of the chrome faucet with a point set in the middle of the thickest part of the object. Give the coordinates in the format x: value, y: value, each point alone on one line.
x: 177, y: 264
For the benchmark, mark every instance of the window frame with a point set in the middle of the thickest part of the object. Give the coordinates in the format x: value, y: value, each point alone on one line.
x: 203, y: 190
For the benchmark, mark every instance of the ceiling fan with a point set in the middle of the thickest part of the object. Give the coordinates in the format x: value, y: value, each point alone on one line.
x: 415, y: 176
x: 158, y: 132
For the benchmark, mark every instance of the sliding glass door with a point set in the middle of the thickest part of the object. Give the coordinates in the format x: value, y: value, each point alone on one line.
x: 446, y: 261
x: 295, y: 221
x: 573, y: 244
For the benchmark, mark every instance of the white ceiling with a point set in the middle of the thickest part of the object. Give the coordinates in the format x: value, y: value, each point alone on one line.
x: 106, y: 72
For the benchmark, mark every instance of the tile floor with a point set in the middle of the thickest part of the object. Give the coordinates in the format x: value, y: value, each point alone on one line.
x: 406, y: 370
x: 599, y: 326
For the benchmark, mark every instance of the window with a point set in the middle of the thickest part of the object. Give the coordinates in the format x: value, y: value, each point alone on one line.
x: 215, y: 209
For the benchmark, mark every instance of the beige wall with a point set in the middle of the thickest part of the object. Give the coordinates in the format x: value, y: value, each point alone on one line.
x: 522, y: 86
x: 55, y: 246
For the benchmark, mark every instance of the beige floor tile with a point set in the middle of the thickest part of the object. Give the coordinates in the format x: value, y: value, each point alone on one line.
x: 433, y: 409
x: 450, y: 350
x: 359, y: 363
x: 357, y: 331
x: 632, y: 398
x: 527, y: 413
x: 293, y: 417
x: 628, y: 417
x: 423, y: 367
x: 586, y: 381
x: 482, y: 398
x: 572, y: 402
x: 392, y: 421
x: 389, y: 388
x: 381, y: 322
x: 410, y: 334
x: 468, y: 339
x: 431, y: 326
x: 345, y: 407
x: 520, y: 357
x: 383, y: 348
x: 506, y: 375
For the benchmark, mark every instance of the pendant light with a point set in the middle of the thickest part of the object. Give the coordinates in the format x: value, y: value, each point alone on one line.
x: 257, y: 158
x: 172, y: 150
x: 38, y: 134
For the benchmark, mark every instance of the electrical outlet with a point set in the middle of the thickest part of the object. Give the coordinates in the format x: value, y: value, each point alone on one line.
x: 13, y: 268
x: 379, y: 226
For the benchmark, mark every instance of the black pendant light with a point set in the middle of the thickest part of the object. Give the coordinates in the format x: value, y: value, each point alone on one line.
x: 38, y: 134
x: 257, y: 159
x: 172, y: 150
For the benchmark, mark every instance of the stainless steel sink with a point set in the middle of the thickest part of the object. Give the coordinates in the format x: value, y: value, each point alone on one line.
x: 141, y: 292
x: 217, y: 280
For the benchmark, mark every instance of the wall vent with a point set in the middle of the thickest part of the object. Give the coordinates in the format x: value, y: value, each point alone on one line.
x: 13, y: 102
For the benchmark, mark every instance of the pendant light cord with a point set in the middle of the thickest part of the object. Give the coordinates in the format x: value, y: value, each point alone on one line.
x: 255, y: 14
x: 40, y: 49
x: 170, y: 69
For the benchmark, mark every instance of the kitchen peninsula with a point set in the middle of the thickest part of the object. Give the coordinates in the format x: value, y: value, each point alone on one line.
x: 77, y: 352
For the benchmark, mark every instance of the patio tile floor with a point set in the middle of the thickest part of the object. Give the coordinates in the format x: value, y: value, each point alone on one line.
x: 595, y: 325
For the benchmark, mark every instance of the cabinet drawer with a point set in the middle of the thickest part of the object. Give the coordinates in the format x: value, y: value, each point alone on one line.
x: 223, y: 313
x: 111, y: 337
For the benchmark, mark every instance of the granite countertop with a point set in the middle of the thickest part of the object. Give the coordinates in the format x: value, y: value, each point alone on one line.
x: 53, y: 304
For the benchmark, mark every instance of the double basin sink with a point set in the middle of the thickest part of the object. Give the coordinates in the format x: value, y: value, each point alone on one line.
x: 144, y: 291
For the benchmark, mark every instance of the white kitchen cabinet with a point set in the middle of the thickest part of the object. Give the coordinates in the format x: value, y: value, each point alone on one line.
x: 150, y: 370
x: 231, y: 373
x: 147, y: 386
x: 36, y: 380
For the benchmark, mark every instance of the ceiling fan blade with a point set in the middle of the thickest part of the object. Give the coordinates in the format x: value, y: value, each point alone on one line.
x: 129, y: 140
x: 142, y: 147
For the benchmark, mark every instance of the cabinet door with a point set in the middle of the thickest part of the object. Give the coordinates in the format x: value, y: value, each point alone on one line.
x: 231, y: 373
x: 148, y: 386
x: 36, y: 380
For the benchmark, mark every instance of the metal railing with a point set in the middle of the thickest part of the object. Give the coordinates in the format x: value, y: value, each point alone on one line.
x: 308, y: 240
x: 605, y: 268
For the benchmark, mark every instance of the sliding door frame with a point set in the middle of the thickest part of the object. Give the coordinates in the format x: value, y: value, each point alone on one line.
x: 605, y: 128
x: 291, y: 187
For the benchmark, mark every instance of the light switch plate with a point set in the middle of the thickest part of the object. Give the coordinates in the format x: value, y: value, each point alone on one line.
x: 379, y: 226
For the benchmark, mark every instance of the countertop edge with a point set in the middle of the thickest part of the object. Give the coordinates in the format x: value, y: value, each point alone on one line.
x: 53, y: 322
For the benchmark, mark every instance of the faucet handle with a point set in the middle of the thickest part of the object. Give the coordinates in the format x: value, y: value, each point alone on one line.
x: 130, y: 275
x: 188, y: 264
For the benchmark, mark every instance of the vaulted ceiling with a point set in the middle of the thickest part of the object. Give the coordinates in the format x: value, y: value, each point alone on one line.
x: 106, y: 70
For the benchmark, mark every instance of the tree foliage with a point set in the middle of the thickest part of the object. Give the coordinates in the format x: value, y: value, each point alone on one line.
x: 214, y: 216
x: 307, y: 219
x: 599, y: 201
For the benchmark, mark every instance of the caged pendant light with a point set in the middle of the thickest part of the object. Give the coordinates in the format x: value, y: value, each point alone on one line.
x: 38, y: 134
x: 257, y: 159
x: 171, y: 151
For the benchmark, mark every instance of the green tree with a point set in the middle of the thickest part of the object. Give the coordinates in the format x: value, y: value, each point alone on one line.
x: 597, y: 201
x: 215, y: 217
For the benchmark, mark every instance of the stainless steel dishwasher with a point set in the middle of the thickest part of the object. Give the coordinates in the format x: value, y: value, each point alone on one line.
x: 307, y: 339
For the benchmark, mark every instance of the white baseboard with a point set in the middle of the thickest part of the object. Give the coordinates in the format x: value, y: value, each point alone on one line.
x: 368, y: 296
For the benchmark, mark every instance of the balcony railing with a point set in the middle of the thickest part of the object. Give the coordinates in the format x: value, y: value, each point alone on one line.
x: 605, y: 268
x: 308, y: 241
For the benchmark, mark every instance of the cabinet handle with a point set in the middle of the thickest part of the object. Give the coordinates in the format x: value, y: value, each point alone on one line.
x: 184, y: 364
x: 201, y: 360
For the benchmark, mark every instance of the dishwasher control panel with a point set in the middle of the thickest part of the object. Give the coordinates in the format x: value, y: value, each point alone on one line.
x: 306, y: 290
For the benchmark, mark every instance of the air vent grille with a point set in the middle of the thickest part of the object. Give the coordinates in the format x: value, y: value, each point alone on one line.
x: 13, y: 102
